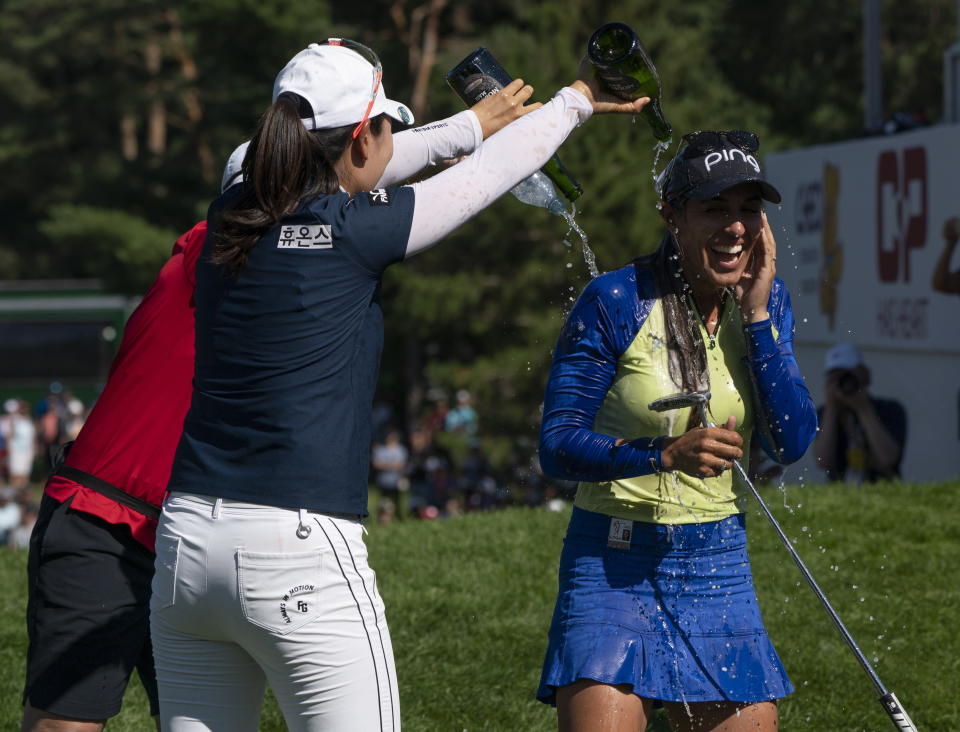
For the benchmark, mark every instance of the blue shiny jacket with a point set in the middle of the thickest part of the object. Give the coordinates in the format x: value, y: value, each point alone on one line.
x: 603, y: 323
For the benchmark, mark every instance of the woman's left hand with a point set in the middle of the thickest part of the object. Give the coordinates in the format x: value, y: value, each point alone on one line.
x: 498, y: 110
x: 602, y: 101
x: 753, y: 289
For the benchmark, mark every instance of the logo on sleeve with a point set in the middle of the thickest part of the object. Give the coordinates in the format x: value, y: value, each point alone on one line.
x: 313, y: 236
x: 378, y: 197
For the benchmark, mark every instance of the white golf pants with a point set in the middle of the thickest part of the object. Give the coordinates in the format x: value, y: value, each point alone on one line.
x: 246, y: 594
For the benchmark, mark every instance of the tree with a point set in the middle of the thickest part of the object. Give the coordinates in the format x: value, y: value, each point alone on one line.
x: 120, y: 113
x: 132, y: 106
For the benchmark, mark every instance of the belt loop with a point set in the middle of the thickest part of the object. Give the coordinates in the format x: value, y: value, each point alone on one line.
x: 304, y: 529
x: 216, y: 508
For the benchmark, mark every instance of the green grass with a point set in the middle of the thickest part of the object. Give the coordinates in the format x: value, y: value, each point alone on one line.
x: 469, y: 601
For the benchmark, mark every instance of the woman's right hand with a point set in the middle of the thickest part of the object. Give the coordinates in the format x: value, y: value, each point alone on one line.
x: 603, y: 102
x: 498, y: 110
x: 704, y: 452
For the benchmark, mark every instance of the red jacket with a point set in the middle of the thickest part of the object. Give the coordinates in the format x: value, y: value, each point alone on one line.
x: 132, y: 432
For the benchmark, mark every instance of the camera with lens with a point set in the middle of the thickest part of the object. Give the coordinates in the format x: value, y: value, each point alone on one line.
x: 849, y: 383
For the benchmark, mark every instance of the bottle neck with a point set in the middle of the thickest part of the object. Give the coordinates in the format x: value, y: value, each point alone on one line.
x: 562, y: 179
x: 653, y: 114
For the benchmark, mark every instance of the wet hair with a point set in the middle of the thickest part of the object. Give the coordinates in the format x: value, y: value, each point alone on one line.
x: 285, y: 165
x: 663, y: 184
x: 686, y: 351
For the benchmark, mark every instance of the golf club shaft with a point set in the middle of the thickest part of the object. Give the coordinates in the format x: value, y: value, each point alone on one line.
x: 888, y: 699
x: 813, y: 583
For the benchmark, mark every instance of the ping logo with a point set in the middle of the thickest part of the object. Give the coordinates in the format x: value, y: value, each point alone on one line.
x: 727, y: 156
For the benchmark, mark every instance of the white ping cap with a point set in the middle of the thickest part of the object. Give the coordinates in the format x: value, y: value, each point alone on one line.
x: 338, y: 84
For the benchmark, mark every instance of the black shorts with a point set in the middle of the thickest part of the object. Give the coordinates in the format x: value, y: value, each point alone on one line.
x: 88, y: 614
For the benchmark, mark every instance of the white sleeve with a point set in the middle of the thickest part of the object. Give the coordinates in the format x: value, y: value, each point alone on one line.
x: 450, y: 198
x: 415, y: 149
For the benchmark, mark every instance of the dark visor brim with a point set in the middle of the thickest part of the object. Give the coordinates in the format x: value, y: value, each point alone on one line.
x: 716, y: 186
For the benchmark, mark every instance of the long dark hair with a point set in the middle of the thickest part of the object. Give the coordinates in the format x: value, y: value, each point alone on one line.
x: 285, y: 165
x: 686, y: 351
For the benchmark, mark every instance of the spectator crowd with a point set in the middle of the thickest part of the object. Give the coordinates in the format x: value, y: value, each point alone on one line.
x: 439, y: 469
x: 442, y: 467
x: 30, y: 436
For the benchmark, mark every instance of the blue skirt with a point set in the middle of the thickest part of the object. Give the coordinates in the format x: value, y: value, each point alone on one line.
x: 675, y: 615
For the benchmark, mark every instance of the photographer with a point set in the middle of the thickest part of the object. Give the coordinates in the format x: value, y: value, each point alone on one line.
x: 861, y: 437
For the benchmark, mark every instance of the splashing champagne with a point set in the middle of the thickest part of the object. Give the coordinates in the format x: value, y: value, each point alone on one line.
x: 479, y: 75
x: 625, y: 69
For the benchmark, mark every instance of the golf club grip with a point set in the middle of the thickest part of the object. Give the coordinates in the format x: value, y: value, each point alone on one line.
x: 898, y: 715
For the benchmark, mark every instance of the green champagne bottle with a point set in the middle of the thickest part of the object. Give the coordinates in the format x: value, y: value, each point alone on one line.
x: 624, y: 68
x: 480, y: 75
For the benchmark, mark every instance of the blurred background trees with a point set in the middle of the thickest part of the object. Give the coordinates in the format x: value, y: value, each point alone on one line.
x: 118, y: 116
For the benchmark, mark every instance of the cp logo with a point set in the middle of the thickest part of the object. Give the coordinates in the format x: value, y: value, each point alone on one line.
x: 901, y: 210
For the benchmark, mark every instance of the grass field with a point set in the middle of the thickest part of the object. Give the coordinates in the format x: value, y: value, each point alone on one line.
x: 469, y: 601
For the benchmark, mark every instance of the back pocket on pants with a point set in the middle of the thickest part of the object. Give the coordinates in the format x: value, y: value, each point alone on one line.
x: 164, y: 586
x: 279, y: 592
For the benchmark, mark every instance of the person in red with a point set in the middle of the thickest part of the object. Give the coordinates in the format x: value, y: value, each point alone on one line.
x: 92, y: 549
x: 92, y: 555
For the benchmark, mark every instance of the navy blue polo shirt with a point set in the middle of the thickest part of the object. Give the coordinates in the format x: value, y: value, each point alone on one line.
x: 288, y: 353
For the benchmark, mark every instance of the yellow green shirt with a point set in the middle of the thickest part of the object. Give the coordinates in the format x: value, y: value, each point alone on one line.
x: 642, y: 376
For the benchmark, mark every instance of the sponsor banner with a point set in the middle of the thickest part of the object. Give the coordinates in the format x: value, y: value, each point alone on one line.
x: 859, y: 235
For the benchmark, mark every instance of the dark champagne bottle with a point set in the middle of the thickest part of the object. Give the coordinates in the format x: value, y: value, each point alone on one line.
x: 479, y: 75
x: 624, y: 68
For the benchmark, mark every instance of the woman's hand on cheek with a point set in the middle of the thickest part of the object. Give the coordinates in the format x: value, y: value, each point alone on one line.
x: 753, y: 289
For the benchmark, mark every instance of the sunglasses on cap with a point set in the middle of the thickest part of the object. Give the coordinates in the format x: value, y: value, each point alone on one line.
x: 707, y: 141
x: 371, y: 57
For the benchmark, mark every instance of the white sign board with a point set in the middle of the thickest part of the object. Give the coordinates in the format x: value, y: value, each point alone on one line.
x: 859, y: 236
